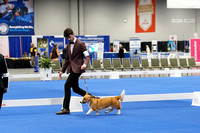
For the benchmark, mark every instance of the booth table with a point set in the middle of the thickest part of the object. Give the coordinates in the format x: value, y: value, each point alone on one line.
x: 18, y: 62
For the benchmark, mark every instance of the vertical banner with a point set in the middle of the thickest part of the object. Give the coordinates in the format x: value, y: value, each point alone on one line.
x: 172, y: 44
x: 16, y: 17
x: 195, y: 49
x: 116, y: 45
x: 42, y: 47
x: 145, y: 16
x: 154, y: 46
x: 135, y: 48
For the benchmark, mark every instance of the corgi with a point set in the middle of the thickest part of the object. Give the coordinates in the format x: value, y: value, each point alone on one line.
x: 103, y: 103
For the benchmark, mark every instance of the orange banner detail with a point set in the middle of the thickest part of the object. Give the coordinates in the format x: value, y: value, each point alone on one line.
x: 145, y: 16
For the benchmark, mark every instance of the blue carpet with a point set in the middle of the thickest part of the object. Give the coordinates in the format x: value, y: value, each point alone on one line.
x: 104, y: 87
x: 176, y: 116
x: 143, y: 117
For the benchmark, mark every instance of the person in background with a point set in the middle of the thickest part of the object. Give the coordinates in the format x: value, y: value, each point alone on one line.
x: 186, y: 50
x: 75, y: 65
x: 33, y: 51
x: 54, y: 52
x: 3, y: 78
x: 121, y: 52
x: 25, y: 55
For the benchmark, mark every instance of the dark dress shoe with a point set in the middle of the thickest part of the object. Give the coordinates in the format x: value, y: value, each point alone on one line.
x: 63, y: 111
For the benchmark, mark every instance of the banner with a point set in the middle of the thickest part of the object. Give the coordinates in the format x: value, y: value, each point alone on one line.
x: 195, y: 49
x: 135, y: 48
x: 145, y: 16
x: 116, y: 45
x: 94, y: 44
x: 42, y: 47
x: 16, y: 17
x: 172, y: 44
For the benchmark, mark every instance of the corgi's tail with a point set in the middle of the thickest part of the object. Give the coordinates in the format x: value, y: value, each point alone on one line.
x: 121, y: 97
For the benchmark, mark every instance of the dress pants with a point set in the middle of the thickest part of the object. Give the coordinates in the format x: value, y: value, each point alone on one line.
x: 72, y: 81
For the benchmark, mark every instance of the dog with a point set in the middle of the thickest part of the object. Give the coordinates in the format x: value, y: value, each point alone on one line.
x: 103, y: 103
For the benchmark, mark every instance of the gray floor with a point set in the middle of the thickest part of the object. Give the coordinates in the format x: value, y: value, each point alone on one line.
x: 26, y: 74
x: 22, y: 71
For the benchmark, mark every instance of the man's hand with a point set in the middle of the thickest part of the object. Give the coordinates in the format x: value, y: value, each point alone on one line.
x: 60, y: 75
x: 83, y: 67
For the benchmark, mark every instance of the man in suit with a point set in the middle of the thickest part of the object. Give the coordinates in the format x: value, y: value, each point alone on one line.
x: 3, y: 78
x: 75, y: 65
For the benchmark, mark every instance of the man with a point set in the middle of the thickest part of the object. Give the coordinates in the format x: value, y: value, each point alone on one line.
x: 33, y: 51
x: 3, y: 78
x: 75, y: 65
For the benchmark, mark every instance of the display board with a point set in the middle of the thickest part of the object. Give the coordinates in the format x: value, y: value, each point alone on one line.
x: 135, y: 48
x: 17, y: 17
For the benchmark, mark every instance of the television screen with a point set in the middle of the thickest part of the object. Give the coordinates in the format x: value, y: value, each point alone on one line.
x: 93, y: 47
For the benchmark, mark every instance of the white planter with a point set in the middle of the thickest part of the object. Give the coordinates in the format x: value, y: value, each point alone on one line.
x: 45, y: 74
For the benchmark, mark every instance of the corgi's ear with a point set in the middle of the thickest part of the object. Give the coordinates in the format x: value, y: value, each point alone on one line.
x: 87, y: 93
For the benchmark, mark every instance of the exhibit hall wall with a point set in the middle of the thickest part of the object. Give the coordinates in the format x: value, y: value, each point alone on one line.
x: 112, y: 17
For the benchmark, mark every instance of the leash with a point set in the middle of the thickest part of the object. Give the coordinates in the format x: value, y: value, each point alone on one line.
x: 85, y: 85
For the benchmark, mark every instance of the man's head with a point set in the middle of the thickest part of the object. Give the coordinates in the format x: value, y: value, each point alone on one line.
x: 69, y: 34
x: 32, y: 44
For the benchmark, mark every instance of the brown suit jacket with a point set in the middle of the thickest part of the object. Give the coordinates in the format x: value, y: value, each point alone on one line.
x: 75, y: 60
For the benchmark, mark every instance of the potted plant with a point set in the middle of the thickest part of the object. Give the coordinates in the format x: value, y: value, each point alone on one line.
x: 45, y: 68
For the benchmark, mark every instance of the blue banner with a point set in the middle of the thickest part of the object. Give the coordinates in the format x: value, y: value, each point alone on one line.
x: 16, y: 17
x: 58, y: 41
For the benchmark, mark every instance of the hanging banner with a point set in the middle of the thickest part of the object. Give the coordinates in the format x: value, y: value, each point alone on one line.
x: 145, y: 16
x: 16, y: 17
x: 195, y: 49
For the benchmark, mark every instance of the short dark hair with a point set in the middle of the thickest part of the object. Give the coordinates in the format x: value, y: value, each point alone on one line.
x: 68, y: 32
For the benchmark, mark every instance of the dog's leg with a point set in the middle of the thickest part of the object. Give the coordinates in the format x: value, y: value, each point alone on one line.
x: 119, y: 112
x: 97, y: 112
x: 89, y: 111
x: 109, y: 110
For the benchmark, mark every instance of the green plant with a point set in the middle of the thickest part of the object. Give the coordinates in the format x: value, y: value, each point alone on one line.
x: 45, y: 63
